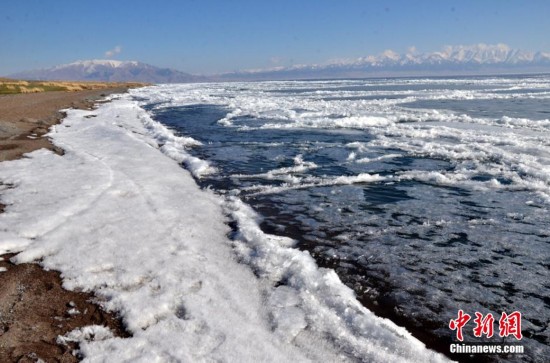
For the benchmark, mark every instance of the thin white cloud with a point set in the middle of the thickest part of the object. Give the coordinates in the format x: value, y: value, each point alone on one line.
x: 276, y: 60
x: 112, y: 52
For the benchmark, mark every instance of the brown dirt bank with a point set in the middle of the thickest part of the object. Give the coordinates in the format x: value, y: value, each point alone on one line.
x: 25, y: 118
x: 34, y: 308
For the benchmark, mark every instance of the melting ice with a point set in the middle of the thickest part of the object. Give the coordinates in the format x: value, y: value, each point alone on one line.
x: 425, y: 195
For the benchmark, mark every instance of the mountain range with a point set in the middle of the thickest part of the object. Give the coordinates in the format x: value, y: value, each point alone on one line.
x: 451, y: 60
x: 109, y: 71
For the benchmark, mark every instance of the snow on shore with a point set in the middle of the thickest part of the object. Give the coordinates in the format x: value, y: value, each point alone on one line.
x: 118, y: 217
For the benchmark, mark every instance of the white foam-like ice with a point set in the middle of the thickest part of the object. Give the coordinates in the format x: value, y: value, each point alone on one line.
x: 86, y: 334
x: 176, y: 147
x: 310, y: 182
x: 314, y: 297
x: 285, y: 174
x: 119, y: 218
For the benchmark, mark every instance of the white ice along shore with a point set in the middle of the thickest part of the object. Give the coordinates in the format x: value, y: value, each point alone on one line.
x: 119, y: 218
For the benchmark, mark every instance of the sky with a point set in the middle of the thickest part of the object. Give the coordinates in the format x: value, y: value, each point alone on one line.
x: 208, y: 36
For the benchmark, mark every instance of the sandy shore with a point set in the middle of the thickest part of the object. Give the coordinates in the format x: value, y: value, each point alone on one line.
x: 34, y: 308
x: 25, y: 118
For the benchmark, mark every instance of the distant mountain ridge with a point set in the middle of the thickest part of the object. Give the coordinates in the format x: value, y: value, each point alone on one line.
x: 109, y: 71
x: 451, y: 60
x: 478, y: 58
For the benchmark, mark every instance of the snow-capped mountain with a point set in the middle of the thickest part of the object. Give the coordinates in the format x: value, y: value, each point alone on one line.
x: 109, y: 71
x: 478, y: 54
x: 478, y: 58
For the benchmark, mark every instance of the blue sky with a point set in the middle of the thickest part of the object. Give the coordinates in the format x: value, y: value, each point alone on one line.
x: 207, y: 36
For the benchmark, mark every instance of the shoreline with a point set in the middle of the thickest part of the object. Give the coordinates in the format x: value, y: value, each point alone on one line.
x: 173, y: 272
x: 34, y: 307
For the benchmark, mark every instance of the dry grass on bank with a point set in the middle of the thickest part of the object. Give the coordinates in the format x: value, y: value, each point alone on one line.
x: 13, y: 86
